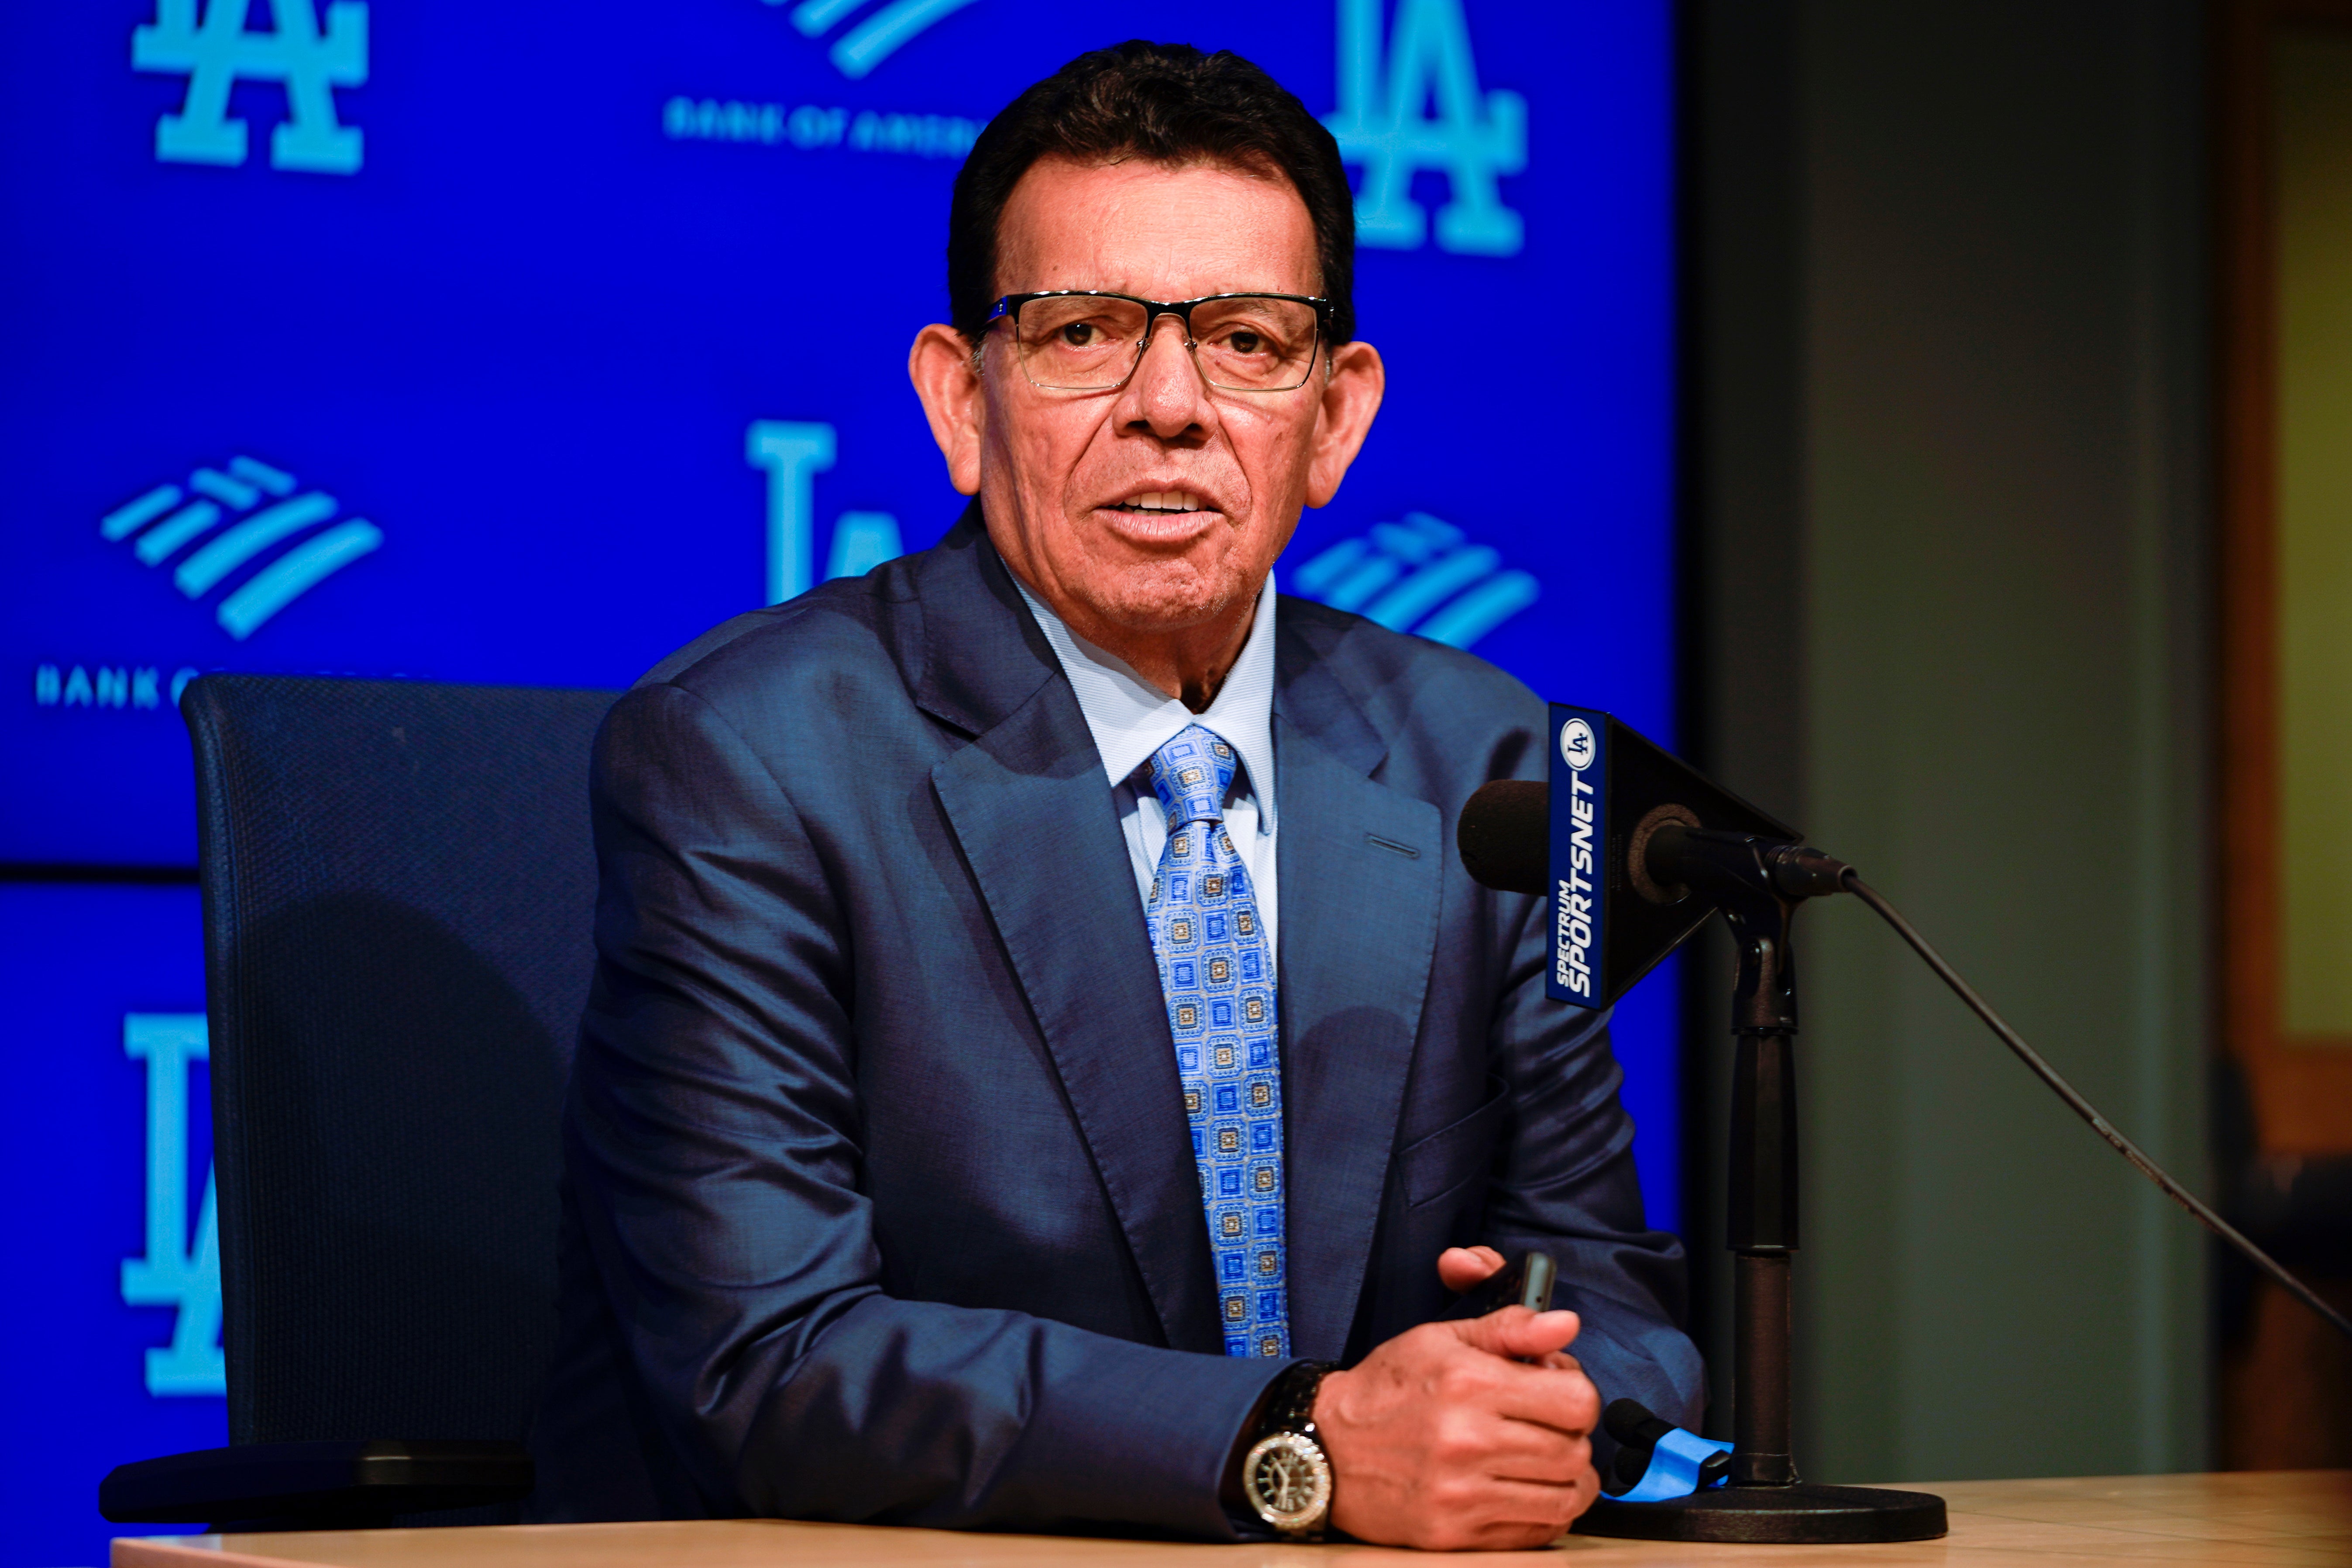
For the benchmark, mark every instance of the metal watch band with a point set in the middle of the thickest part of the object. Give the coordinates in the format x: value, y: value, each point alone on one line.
x: 1292, y: 1406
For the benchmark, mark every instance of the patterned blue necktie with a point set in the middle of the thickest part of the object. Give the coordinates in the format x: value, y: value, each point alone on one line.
x: 1215, y: 971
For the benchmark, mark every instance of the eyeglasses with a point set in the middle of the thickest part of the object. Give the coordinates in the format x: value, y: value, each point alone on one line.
x: 1078, y: 340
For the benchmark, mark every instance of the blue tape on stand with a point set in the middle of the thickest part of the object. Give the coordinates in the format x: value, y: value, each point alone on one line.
x: 1673, y: 1467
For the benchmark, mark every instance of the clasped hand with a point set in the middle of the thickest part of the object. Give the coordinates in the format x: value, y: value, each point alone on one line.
x: 1465, y: 1433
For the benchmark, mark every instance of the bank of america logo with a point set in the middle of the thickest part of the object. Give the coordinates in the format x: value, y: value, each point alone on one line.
x: 1419, y: 575
x: 218, y: 49
x: 225, y: 518
x: 873, y: 39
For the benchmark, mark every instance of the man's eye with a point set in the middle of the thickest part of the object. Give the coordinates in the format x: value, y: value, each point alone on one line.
x: 1079, y: 334
x: 1243, y: 342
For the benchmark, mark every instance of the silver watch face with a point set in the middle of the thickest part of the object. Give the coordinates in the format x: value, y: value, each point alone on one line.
x: 1289, y: 1481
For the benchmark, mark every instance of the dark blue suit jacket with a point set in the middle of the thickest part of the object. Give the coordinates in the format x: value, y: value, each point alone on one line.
x: 880, y: 1201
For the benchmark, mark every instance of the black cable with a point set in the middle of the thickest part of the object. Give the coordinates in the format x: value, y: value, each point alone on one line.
x: 2083, y: 1109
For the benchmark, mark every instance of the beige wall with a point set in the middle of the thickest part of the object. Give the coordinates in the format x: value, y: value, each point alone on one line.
x: 1979, y: 461
x: 2313, y: 108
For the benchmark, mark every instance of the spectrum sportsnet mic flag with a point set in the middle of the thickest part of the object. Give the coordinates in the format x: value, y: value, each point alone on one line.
x: 1579, y: 828
x: 1611, y: 788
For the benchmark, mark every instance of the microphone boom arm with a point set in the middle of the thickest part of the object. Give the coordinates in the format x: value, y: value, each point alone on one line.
x: 2049, y: 1075
x: 1745, y: 875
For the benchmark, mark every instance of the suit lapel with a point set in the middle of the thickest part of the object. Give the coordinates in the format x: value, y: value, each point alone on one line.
x: 1360, y: 874
x: 1033, y: 812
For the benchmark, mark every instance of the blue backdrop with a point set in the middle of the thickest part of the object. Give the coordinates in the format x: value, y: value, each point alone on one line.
x: 466, y: 343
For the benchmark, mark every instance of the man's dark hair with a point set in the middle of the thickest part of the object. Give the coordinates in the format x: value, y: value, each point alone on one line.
x: 1168, y: 103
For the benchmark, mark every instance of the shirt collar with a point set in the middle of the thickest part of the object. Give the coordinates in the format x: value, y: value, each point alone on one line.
x: 1131, y: 719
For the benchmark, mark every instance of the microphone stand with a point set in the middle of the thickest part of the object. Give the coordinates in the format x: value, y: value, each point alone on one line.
x: 1756, y: 879
x: 1758, y: 885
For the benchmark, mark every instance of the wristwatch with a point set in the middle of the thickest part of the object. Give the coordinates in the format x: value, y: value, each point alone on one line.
x: 1286, y: 1475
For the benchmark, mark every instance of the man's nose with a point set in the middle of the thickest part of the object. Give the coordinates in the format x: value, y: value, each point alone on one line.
x: 1166, y: 392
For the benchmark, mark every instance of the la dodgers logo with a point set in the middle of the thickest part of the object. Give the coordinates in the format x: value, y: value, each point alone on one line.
x: 793, y: 452
x: 220, y: 49
x: 1474, y: 136
x: 1578, y: 745
x: 178, y: 1270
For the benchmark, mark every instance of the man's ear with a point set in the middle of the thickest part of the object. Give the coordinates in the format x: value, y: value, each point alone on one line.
x: 1351, y: 396
x: 941, y: 364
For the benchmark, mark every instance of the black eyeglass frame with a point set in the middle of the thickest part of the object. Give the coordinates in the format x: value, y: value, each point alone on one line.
x: 1009, y: 308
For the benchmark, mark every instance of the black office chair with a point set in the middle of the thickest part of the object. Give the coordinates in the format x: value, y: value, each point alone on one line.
x: 398, y: 891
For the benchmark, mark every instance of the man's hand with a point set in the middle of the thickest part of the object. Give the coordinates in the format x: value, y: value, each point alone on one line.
x: 1444, y: 1438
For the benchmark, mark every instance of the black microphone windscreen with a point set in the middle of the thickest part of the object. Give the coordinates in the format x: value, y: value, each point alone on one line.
x: 1505, y: 836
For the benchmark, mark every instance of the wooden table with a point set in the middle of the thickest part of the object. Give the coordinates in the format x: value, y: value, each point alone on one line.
x: 2277, y: 1520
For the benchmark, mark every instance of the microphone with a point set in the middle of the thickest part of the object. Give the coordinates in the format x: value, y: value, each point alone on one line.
x: 1601, y: 841
x: 1505, y: 836
x: 1636, y: 849
x: 1504, y: 842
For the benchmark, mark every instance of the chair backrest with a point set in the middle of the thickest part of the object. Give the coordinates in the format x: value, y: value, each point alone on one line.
x: 399, y: 890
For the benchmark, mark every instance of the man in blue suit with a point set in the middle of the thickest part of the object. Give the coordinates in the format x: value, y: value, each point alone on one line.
x: 1046, y: 1067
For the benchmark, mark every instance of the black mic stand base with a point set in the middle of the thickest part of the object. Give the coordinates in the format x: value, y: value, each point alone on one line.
x: 1802, y: 1514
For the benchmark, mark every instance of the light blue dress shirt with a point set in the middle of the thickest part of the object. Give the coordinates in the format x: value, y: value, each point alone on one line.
x: 1130, y: 719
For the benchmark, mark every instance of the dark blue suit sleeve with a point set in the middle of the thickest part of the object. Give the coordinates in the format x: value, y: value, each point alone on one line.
x: 713, y: 1143
x: 1566, y: 1184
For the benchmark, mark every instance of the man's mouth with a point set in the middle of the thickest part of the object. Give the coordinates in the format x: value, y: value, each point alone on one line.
x: 1161, y: 502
